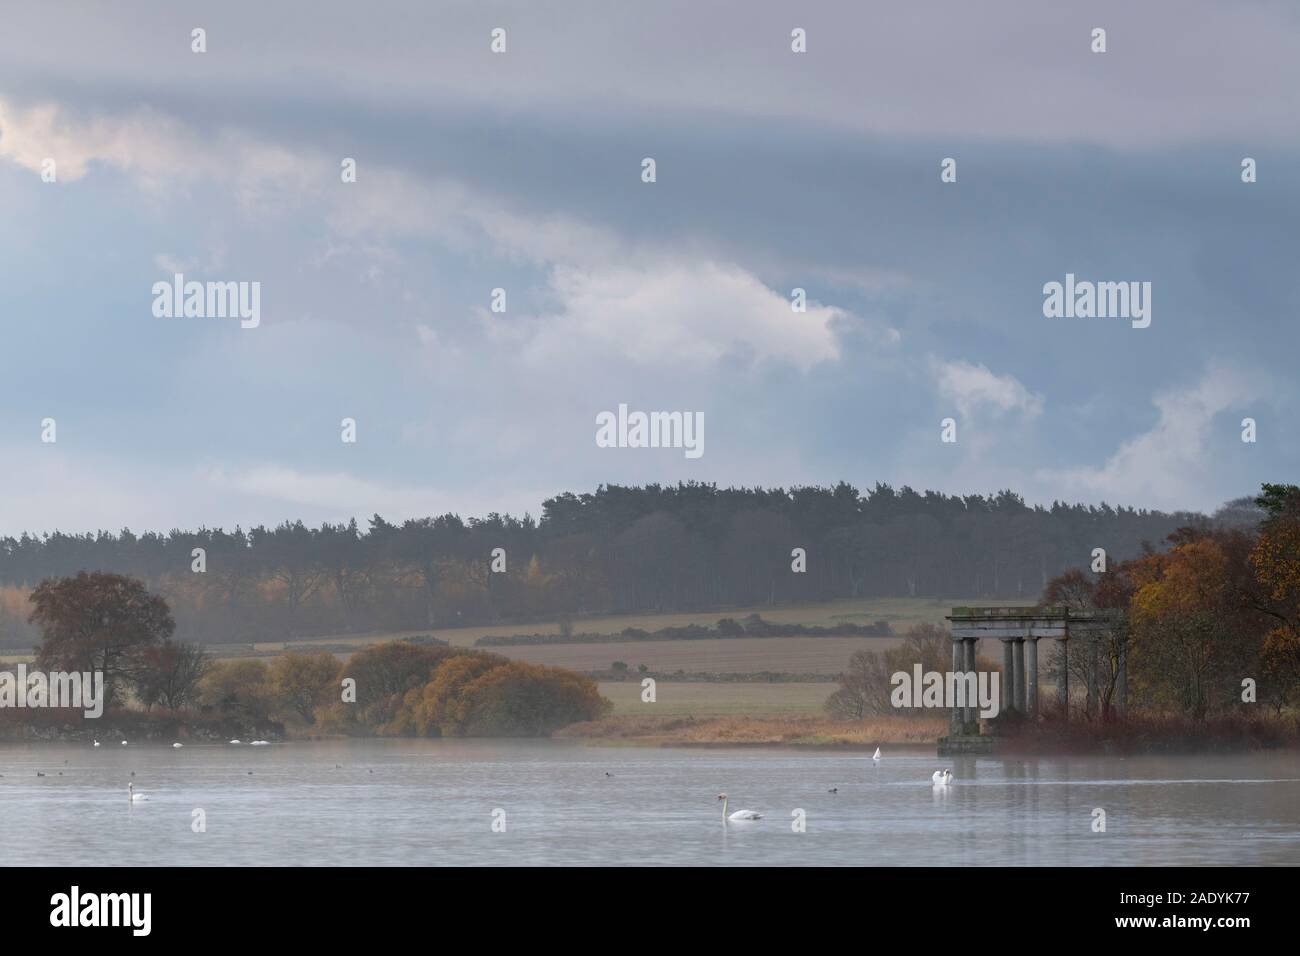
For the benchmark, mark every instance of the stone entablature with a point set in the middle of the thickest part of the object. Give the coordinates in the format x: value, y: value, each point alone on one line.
x: 1020, y: 629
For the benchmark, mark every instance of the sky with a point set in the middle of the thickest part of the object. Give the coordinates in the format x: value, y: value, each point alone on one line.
x: 522, y: 171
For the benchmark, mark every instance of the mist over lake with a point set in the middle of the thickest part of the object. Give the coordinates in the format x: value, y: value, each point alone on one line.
x: 431, y: 802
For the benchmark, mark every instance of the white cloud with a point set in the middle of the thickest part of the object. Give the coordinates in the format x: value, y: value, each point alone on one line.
x: 338, y: 495
x: 971, y: 387
x: 45, y: 487
x: 667, y: 307
x: 162, y: 154
x: 396, y: 205
x: 30, y: 136
x: 1169, y: 466
x: 686, y: 315
x: 332, y: 492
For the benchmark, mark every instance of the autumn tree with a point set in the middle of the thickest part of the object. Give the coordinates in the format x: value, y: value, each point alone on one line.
x: 168, y: 674
x: 437, y: 708
x: 518, y: 699
x: 303, y: 682
x: 239, y: 689
x: 97, y: 621
x: 1276, y: 562
x: 1192, y: 639
x: 385, y: 672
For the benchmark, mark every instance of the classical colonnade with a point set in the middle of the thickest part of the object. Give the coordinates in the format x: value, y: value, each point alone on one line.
x: 1020, y: 629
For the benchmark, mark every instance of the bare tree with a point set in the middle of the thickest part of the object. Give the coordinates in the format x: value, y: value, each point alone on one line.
x: 168, y: 674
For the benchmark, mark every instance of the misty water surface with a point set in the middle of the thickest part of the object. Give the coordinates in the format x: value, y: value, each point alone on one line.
x: 431, y: 803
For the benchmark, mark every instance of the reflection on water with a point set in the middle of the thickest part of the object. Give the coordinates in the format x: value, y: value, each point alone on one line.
x: 432, y: 802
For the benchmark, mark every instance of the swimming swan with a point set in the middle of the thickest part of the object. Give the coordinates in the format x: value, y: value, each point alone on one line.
x: 260, y: 743
x: 236, y: 741
x: 942, y: 778
x: 739, y: 814
x: 135, y: 797
x: 178, y: 745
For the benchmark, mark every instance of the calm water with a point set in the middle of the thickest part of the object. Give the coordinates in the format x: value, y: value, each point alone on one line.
x: 431, y: 803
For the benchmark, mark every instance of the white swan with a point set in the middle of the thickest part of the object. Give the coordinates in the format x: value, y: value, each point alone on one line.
x: 135, y: 797
x: 260, y: 743
x: 739, y: 814
x: 124, y: 743
x: 942, y: 778
x: 236, y: 741
x: 178, y: 745
x: 876, y: 756
x: 96, y: 743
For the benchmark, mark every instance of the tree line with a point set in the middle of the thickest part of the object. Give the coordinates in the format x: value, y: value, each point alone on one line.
x: 691, y: 546
x: 111, y: 624
x: 1207, y: 627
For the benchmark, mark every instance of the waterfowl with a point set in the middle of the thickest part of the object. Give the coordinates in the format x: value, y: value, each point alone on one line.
x: 739, y: 815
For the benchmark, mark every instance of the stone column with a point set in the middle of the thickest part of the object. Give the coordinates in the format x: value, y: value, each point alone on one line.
x: 958, y: 661
x: 1063, y: 679
x: 970, y: 719
x: 1031, y: 676
x: 1020, y: 675
x: 1008, y: 676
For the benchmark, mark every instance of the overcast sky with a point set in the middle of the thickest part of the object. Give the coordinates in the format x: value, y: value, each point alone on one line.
x: 522, y: 171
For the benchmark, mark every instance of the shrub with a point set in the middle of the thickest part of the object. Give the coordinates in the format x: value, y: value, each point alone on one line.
x: 304, y: 682
x: 384, y: 673
x: 527, y: 700
x: 238, y: 689
x: 434, y: 709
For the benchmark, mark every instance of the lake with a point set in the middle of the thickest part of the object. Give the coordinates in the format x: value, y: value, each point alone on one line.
x: 431, y: 802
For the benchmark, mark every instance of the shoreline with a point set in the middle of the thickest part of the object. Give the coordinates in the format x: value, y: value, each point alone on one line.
x: 1149, y: 737
x: 804, y: 731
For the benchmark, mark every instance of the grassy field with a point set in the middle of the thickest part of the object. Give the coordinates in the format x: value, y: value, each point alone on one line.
x: 784, y: 655
x: 803, y: 655
x: 901, y: 613
x: 680, y: 699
